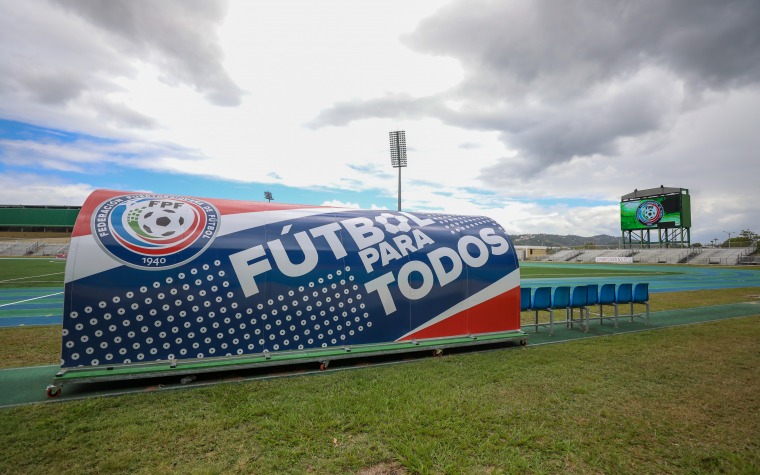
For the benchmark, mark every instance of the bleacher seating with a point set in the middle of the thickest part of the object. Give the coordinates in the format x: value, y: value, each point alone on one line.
x: 661, y: 256
x: 563, y: 256
x: 5, y: 246
x: 34, y: 247
x: 720, y: 256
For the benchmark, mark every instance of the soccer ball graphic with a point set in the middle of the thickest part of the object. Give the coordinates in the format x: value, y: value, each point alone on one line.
x: 163, y: 220
x: 649, y: 212
x: 386, y: 220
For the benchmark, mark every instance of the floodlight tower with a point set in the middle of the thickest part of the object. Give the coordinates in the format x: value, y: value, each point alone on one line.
x: 398, y: 156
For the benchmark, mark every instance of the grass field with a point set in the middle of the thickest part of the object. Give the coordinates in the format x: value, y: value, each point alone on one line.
x: 680, y: 400
x: 31, y: 272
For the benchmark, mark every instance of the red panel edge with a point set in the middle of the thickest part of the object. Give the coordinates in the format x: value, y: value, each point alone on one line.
x: 501, y: 313
x: 224, y: 206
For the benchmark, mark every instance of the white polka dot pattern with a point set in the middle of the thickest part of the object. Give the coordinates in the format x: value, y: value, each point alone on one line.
x: 205, y: 319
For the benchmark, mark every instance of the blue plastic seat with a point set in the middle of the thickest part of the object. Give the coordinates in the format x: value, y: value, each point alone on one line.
x: 624, y: 293
x: 561, y: 297
x: 641, y: 296
x: 592, y: 296
x: 578, y: 299
x: 641, y: 293
x: 607, y: 297
x: 542, y: 300
x: 525, y: 301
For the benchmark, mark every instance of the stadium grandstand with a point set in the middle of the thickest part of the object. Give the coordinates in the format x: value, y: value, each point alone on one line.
x: 46, y: 231
x: 28, y: 230
x: 692, y: 255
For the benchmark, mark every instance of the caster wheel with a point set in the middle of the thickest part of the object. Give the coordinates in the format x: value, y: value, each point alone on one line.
x: 523, y: 342
x: 323, y: 366
x: 53, y: 391
x: 438, y: 353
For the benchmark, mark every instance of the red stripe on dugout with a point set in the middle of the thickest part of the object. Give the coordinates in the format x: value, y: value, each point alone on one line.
x: 225, y: 207
x: 499, y: 314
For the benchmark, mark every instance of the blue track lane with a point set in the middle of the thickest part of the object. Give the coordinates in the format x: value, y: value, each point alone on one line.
x: 31, y: 306
x: 662, y: 279
x: 43, y: 306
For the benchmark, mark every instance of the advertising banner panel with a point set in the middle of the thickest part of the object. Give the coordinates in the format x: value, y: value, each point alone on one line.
x: 161, y: 278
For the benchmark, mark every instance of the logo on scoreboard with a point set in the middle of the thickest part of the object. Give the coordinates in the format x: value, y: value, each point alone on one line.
x: 154, y: 231
x: 649, y: 213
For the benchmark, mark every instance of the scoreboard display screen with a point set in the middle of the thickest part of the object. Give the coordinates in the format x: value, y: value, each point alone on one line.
x: 670, y: 211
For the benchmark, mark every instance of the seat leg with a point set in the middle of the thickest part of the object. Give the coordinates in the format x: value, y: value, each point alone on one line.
x: 647, y: 304
x: 616, y: 314
x: 585, y: 325
x: 601, y: 315
x: 631, y: 312
x: 535, y: 330
x: 551, y: 322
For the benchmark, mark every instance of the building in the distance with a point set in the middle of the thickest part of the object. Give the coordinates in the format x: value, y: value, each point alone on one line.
x: 29, y: 221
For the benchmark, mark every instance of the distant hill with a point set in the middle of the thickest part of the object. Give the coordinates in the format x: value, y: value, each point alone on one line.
x: 555, y: 240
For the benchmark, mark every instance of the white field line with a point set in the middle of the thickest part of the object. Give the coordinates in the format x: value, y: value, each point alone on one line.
x: 29, y: 277
x: 28, y: 300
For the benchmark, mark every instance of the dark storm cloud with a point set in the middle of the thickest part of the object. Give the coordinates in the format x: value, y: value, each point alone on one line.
x: 63, y: 62
x: 178, y: 36
x: 569, y: 79
x: 53, y: 89
x: 572, y: 44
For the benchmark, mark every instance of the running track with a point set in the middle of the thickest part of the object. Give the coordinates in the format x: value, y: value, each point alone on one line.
x: 43, y: 306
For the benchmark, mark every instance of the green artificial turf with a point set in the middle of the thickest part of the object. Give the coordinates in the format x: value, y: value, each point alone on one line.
x: 679, y: 400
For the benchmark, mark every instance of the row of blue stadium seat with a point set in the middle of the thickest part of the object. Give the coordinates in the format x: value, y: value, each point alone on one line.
x: 582, y: 297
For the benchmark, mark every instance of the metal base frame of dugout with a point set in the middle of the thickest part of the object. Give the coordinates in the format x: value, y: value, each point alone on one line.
x: 570, y: 321
x: 323, y: 356
x: 617, y: 315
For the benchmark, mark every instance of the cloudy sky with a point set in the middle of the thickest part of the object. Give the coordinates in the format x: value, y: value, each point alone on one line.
x: 540, y: 114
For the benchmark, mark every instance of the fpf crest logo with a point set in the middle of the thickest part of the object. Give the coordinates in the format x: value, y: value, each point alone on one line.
x: 649, y: 213
x: 154, y: 231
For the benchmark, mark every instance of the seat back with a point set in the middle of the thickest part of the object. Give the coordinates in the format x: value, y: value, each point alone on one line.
x: 542, y: 298
x: 624, y: 293
x: 561, y: 297
x: 592, y: 296
x: 641, y: 293
x: 607, y: 294
x: 525, y: 298
x: 579, y: 296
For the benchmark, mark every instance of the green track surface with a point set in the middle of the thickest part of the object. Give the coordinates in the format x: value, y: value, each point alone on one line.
x: 27, y: 385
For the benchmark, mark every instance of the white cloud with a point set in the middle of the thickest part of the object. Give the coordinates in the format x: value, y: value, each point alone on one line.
x: 41, y: 190
x: 340, y: 204
x: 586, y: 107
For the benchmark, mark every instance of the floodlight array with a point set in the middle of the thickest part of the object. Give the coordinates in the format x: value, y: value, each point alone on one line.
x: 398, y: 148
